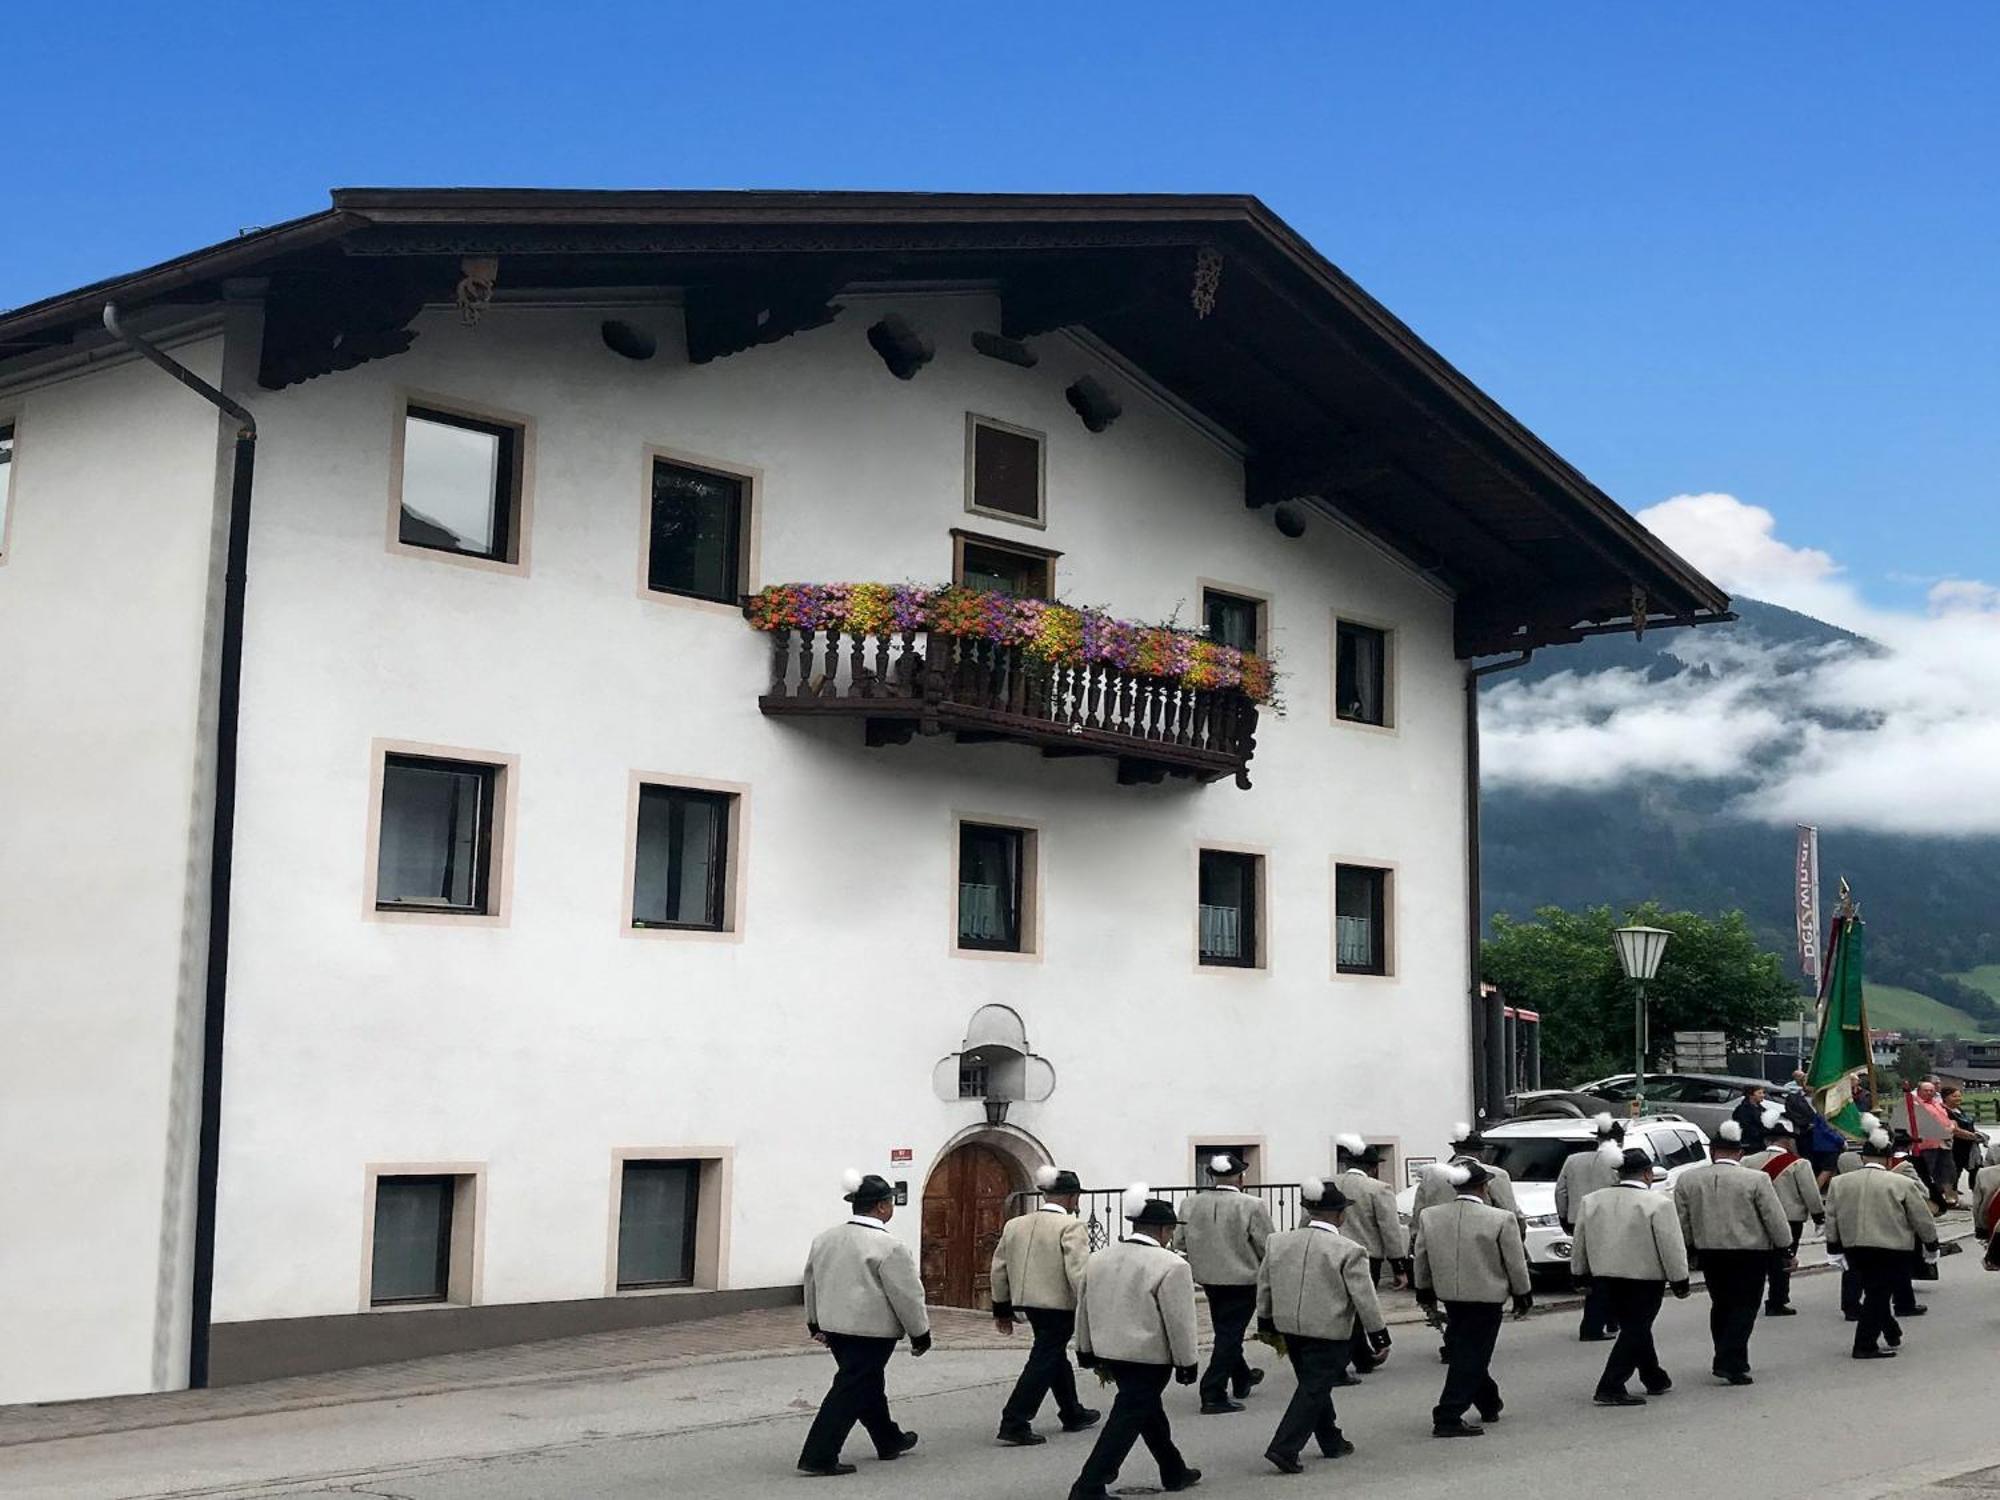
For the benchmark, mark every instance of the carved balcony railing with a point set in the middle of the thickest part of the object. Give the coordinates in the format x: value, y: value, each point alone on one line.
x: 912, y: 682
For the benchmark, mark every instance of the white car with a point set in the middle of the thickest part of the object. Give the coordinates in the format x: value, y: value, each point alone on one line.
x: 1532, y: 1151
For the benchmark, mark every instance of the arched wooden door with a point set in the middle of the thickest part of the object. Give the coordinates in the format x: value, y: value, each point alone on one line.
x: 965, y: 1203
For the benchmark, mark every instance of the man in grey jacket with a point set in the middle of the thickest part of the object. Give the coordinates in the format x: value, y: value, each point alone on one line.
x: 1135, y: 1317
x: 1878, y: 1220
x: 1223, y: 1233
x: 1037, y: 1267
x: 1628, y: 1247
x: 1736, y: 1232
x: 1798, y: 1193
x: 1316, y: 1290
x: 1583, y: 1173
x: 863, y: 1295
x: 1471, y: 1259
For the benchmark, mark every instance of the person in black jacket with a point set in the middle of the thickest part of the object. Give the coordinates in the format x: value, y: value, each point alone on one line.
x: 1749, y: 1113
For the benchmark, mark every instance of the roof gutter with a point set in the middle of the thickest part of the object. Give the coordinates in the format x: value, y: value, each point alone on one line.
x: 222, y: 834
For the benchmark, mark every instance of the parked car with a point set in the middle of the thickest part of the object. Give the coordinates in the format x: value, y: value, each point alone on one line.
x: 1532, y: 1150
x: 1705, y: 1098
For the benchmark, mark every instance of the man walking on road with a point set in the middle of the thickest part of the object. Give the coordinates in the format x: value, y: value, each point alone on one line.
x: 1584, y: 1173
x: 1878, y: 1220
x: 1037, y: 1267
x: 862, y: 1296
x: 1315, y: 1289
x: 1798, y: 1193
x: 1223, y: 1233
x: 1135, y: 1316
x: 1628, y: 1246
x: 1471, y: 1259
x: 1373, y: 1222
x: 1735, y: 1230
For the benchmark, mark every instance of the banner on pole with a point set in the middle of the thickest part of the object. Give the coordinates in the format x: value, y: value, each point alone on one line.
x: 1806, y: 900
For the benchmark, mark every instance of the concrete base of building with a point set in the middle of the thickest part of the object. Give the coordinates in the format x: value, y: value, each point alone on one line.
x: 268, y: 1348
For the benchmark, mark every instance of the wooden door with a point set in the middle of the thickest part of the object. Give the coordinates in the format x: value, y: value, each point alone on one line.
x: 965, y: 1203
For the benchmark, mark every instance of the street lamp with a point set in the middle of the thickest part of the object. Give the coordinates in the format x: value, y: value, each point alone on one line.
x: 1639, y: 950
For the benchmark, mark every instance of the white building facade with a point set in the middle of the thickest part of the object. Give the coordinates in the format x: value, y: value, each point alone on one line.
x: 562, y: 979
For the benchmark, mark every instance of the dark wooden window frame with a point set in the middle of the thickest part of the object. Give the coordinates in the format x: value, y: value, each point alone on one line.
x: 1258, y: 609
x: 1017, y: 905
x: 1044, y: 555
x: 506, y: 483
x: 1378, y: 966
x: 482, y: 880
x: 720, y: 870
x: 448, y: 1226
x: 1252, y: 925
x: 739, y: 537
x: 691, y: 1218
x: 1386, y: 687
x: 1040, y: 519
x: 6, y: 481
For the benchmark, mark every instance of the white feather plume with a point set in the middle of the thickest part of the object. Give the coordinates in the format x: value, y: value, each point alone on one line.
x: 1774, y: 1112
x: 1462, y: 1131
x: 1220, y: 1163
x: 1351, y: 1143
x: 1602, y: 1122
x: 1438, y: 1171
x: 1730, y: 1132
x: 1879, y: 1138
x: 1612, y: 1155
x: 850, y: 1181
x: 1045, y: 1178
x: 1135, y: 1199
x: 1312, y: 1189
x: 1459, y: 1176
x: 1870, y: 1124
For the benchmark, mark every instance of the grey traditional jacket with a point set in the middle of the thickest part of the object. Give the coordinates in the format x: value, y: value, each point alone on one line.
x: 1583, y: 1173
x: 1879, y: 1210
x: 1315, y: 1283
x: 1630, y: 1232
x: 1223, y: 1234
x: 1137, y: 1305
x: 1039, y: 1260
x: 863, y: 1281
x: 1797, y: 1185
x: 1433, y: 1189
x: 1372, y: 1220
x: 1467, y: 1251
x: 1985, y: 1187
x: 1724, y: 1205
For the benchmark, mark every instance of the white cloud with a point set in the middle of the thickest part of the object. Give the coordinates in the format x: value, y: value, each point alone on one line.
x: 1737, y: 545
x: 1961, y: 596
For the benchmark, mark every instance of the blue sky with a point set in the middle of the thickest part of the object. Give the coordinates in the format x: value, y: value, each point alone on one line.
x: 1700, y: 247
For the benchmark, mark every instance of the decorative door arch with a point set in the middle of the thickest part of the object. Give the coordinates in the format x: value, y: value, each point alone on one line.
x: 969, y: 1195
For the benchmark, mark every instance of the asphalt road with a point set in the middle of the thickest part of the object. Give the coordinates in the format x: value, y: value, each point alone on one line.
x: 1816, y: 1424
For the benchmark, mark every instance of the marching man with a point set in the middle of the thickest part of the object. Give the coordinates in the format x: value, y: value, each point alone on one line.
x: 1878, y: 1220
x: 1629, y: 1250
x: 1583, y: 1173
x: 1736, y: 1232
x: 862, y: 1296
x: 1798, y: 1195
x: 1470, y: 1257
x: 1373, y: 1222
x: 1316, y: 1290
x: 1037, y: 1268
x: 1135, y: 1317
x: 1223, y: 1233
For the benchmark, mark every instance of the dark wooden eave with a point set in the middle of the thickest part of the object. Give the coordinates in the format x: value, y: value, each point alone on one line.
x: 1333, y: 398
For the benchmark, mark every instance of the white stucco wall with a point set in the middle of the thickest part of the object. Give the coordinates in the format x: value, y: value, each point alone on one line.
x: 103, y: 847
x: 539, y: 1047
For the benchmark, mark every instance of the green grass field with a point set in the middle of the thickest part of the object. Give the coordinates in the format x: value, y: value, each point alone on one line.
x: 1986, y: 977
x: 1892, y: 1008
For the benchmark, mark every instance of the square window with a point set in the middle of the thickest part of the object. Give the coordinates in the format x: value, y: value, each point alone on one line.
x: 436, y: 849
x: 972, y: 1076
x: 1004, y: 470
x: 1361, y: 674
x: 412, y: 1254
x: 680, y: 875
x: 1232, y: 620
x: 982, y: 563
x: 1228, y: 908
x: 658, y: 1203
x: 990, y: 863
x: 461, y: 485
x: 695, y: 537
x: 6, y: 476
x: 1360, y: 919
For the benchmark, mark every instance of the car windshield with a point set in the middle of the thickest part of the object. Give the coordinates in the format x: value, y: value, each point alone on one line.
x: 1530, y: 1158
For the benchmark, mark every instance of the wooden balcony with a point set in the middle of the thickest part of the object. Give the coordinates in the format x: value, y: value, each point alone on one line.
x: 922, y: 682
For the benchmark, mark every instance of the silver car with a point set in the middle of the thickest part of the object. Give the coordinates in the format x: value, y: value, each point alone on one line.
x: 1705, y: 1098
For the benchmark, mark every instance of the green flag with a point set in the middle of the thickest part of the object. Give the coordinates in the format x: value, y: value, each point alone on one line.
x: 1842, y: 1050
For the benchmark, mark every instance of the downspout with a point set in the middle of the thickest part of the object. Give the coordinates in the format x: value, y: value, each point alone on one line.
x: 1486, y: 1060
x: 222, y: 840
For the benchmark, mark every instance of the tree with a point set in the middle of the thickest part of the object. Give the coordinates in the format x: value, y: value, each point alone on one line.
x: 1563, y: 965
x: 1913, y: 1065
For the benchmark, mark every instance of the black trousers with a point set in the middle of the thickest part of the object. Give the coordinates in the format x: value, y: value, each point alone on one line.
x: 1633, y: 1306
x: 1735, y: 1287
x: 1902, y: 1296
x: 1780, y: 1291
x: 1317, y: 1363
x: 1471, y: 1330
x: 1230, y: 1309
x: 1048, y: 1369
x: 1137, y: 1415
x: 1879, y: 1274
x: 1359, y: 1354
x: 857, y: 1395
x: 1598, y: 1318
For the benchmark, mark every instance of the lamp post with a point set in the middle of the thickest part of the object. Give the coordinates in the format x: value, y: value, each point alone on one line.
x: 1639, y: 950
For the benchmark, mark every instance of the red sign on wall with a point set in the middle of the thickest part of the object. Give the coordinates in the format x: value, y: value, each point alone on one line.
x: 901, y: 1156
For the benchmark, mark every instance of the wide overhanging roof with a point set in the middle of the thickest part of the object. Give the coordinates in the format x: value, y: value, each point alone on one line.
x: 1213, y: 297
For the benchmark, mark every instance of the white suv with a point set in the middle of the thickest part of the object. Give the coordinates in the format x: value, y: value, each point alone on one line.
x: 1532, y: 1152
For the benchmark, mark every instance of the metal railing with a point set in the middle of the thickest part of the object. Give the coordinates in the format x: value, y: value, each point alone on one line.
x: 1103, y: 1212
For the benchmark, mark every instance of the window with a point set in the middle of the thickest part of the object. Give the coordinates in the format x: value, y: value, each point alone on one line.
x: 1003, y: 468
x: 680, y: 875
x: 1233, y: 620
x: 1228, y: 908
x: 461, y: 485
x: 1360, y: 919
x: 972, y: 1076
x: 436, y: 849
x: 1361, y: 674
x: 6, y: 477
x: 695, y: 545
x: 657, y: 1211
x: 983, y: 563
x: 990, y: 864
x: 412, y: 1255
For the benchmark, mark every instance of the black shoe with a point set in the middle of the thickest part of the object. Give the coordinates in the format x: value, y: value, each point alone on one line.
x: 1742, y: 1378
x: 1347, y: 1380
x: 1020, y: 1437
x: 1915, y: 1312
x: 1188, y: 1480
x: 1666, y: 1384
x: 1874, y: 1353
x: 1283, y: 1463
x: 1618, y: 1398
x: 1893, y: 1340
x: 1253, y: 1379
x: 1456, y: 1429
x: 825, y: 1471
x: 1080, y: 1419
x: 1340, y: 1450
x: 1220, y: 1408
x: 1852, y: 1317
x: 1781, y: 1312
x: 1493, y: 1415
x: 1593, y: 1338
x: 909, y: 1441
